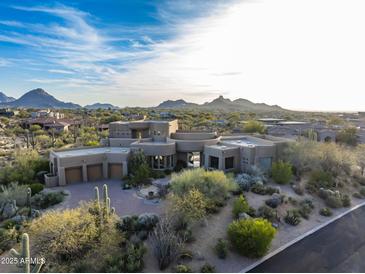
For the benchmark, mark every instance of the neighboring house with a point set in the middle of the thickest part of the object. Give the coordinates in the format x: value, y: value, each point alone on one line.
x: 167, y: 115
x: 165, y: 147
x: 7, y: 112
x: 58, y: 125
x: 46, y: 113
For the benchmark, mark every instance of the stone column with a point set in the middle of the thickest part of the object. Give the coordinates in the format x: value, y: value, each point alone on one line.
x: 84, y: 173
x: 105, y: 169
x: 61, y: 176
x: 220, y: 164
x: 165, y: 161
x: 125, y: 168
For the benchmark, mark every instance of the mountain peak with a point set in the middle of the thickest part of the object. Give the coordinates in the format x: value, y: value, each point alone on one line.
x: 180, y: 103
x: 39, y: 98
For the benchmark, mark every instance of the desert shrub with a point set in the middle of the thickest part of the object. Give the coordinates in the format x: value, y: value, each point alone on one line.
x: 63, y: 236
x: 138, y: 169
x: 281, y: 172
x: 36, y: 188
x: 254, y: 126
x: 240, y: 205
x: 267, y: 213
x: 26, y: 165
x: 14, y: 191
x: 165, y: 242
x: 362, y: 191
x: 251, y: 237
x: 346, y: 200
x: 245, y: 181
x: 133, y: 258
x: 330, y: 157
x: 263, y: 189
x: 182, y: 268
x: 357, y: 195
x: 319, y: 179
x: 140, y: 225
x: 325, y: 212
x: 157, y: 174
x: 7, y: 239
x: 298, y: 189
x: 292, y: 217
x: 192, y: 205
x: 45, y: 200
x: 275, y: 200
x: 305, y: 208
x: 207, y: 268
x: 221, y: 248
x: 214, y: 185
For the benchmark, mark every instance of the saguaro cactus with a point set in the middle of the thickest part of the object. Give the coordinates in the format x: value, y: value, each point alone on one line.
x: 24, y: 256
x: 105, y: 210
x: 29, y: 203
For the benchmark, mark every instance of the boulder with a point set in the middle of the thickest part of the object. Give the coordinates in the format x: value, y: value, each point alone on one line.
x: 275, y: 200
x: 243, y: 216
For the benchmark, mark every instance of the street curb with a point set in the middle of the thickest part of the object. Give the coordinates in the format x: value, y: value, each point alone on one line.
x: 301, y: 237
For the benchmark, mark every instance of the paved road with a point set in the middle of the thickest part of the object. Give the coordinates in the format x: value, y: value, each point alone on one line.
x: 126, y: 202
x: 338, y: 247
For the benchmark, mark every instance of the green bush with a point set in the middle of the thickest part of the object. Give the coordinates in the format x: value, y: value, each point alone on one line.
x: 305, y: 208
x: 263, y: 190
x: 319, y: 179
x: 325, y: 212
x: 14, y: 191
x: 221, y: 249
x: 7, y: 239
x: 346, y: 200
x: 207, y: 268
x: 251, y: 237
x: 362, y: 191
x: 357, y: 195
x: 240, y: 205
x: 36, y: 188
x: 334, y: 201
x: 292, y: 217
x: 26, y: 165
x: 267, y: 213
x: 281, y: 172
x: 214, y: 185
x: 182, y: 268
x: 45, y: 200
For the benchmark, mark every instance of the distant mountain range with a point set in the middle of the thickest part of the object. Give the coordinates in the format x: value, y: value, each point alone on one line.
x: 222, y: 104
x: 38, y: 98
x: 101, y: 106
x: 5, y: 99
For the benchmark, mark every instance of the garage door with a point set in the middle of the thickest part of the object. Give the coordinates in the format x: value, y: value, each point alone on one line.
x: 73, y: 175
x: 115, y: 171
x: 94, y: 172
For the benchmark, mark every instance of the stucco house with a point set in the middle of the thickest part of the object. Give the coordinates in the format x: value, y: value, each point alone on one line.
x: 165, y: 146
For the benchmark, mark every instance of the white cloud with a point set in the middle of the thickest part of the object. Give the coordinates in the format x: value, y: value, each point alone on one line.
x: 303, y: 54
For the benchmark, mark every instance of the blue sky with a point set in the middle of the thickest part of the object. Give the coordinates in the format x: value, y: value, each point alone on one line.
x: 300, y: 54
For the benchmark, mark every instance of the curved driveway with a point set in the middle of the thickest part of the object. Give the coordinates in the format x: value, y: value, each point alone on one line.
x: 338, y: 247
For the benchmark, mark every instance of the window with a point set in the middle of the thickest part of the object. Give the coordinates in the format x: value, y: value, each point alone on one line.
x: 228, y: 162
x: 265, y: 163
x: 213, y: 162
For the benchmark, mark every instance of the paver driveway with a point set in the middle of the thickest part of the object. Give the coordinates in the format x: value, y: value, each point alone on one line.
x: 126, y: 202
